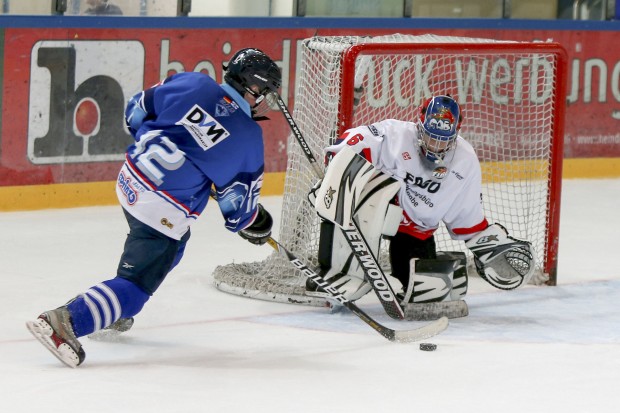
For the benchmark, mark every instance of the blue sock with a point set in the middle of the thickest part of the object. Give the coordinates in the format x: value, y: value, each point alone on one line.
x: 105, y: 303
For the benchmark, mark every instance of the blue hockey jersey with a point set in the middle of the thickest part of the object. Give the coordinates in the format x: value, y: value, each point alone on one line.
x: 191, y: 133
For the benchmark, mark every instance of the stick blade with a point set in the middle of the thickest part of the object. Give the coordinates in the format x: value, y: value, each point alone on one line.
x: 424, y: 332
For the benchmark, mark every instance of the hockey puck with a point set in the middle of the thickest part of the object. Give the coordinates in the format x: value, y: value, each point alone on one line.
x: 428, y: 346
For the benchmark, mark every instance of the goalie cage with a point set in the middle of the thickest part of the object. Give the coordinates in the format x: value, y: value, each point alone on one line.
x: 513, y: 98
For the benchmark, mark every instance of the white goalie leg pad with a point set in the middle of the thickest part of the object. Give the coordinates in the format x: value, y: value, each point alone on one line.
x: 429, y: 280
x: 459, y: 276
x: 436, y: 287
x: 341, y: 189
x: 375, y: 217
x: 345, y: 274
x: 501, y: 260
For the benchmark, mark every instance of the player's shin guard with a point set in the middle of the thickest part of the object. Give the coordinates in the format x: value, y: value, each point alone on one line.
x: 436, y: 287
x: 104, y: 304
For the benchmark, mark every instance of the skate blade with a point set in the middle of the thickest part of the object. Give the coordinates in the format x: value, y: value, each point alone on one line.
x: 43, y: 332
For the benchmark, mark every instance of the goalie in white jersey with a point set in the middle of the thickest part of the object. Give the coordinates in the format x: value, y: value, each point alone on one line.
x: 440, y: 181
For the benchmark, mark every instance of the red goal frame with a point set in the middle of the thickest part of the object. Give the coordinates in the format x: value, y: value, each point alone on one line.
x: 345, y: 115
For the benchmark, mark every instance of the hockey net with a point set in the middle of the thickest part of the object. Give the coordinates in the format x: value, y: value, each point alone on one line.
x: 512, y: 96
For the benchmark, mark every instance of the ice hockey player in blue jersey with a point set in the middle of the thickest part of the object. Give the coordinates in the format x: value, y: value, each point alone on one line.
x: 191, y: 135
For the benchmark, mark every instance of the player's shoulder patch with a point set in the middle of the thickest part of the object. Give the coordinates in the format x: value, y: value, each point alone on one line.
x: 226, y: 106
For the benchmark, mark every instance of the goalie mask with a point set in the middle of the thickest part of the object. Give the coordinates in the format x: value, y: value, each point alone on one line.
x: 438, y: 126
x: 252, y: 71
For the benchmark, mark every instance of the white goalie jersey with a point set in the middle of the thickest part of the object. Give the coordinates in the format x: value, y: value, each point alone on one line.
x: 429, y: 193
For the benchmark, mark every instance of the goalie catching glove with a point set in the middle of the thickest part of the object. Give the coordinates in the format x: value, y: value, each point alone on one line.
x: 259, y: 232
x: 501, y: 260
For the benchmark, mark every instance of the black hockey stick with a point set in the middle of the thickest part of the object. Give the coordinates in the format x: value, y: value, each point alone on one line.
x: 401, y: 336
x: 368, y: 262
x: 300, y: 138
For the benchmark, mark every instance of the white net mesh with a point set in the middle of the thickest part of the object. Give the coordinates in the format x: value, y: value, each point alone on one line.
x: 508, y: 97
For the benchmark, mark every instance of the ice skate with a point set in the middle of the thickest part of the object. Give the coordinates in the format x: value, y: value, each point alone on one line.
x: 53, y: 329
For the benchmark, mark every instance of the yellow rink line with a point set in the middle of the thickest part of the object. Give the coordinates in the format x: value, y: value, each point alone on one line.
x: 31, y: 197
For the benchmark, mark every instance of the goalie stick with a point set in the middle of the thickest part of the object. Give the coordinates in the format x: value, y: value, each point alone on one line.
x: 368, y: 262
x: 401, y: 336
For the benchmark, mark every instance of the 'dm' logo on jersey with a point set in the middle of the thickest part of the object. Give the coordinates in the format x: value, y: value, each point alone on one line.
x: 205, y: 130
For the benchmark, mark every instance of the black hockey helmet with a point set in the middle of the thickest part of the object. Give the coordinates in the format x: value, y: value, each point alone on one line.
x: 250, y: 67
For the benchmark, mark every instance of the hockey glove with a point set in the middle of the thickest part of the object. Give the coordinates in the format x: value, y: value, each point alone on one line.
x: 501, y: 260
x: 259, y: 232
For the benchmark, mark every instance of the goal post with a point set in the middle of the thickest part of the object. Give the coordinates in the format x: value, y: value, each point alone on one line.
x: 512, y: 96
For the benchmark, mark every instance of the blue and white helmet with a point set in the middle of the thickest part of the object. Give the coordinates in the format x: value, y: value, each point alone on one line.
x: 438, y: 127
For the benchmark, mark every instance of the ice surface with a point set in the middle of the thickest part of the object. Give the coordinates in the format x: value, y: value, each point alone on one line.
x: 195, y: 349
